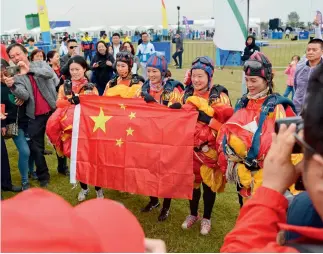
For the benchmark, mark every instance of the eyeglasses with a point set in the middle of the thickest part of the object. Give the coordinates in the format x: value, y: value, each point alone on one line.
x: 203, y: 60
x: 72, y: 47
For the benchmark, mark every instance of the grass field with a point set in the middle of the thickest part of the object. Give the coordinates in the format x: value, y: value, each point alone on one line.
x: 226, y: 208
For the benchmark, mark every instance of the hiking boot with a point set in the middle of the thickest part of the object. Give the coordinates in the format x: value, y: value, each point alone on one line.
x: 164, y: 213
x: 149, y: 207
x: 82, y: 195
x: 99, y: 194
x: 66, y: 172
x: 190, y: 221
x: 205, y: 226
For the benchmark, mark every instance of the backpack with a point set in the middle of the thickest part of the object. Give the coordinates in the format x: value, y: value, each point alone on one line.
x: 267, y: 107
x: 215, y: 92
x: 135, y: 79
x: 169, y: 87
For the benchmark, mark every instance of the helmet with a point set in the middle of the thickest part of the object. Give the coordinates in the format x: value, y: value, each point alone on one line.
x: 259, y: 65
x: 204, y: 63
x: 126, y: 57
x: 158, y: 62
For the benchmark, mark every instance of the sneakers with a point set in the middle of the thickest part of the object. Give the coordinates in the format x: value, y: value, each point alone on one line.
x: 163, y: 214
x: 82, y: 195
x: 25, y: 186
x: 33, y: 175
x: 149, y: 207
x: 99, y: 194
x: 190, y: 221
x: 205, y: 226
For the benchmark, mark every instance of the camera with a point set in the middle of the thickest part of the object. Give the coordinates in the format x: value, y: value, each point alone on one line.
x: 288, y: 121
x: 297, y: 148
x: 13, y: 70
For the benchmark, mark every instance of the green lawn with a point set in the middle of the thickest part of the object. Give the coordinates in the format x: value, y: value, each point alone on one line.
x: 226, y: 208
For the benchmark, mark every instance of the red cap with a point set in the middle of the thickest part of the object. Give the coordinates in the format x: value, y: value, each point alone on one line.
x: 40, y: 221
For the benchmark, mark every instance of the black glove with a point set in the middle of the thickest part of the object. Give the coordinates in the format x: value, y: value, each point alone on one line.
x: 176, y: 105
x: 75, y: 99
x: 148, y: 98
x: 204, y: 117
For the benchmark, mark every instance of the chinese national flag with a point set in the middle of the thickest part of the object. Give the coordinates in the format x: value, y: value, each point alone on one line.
x: 132, y: 146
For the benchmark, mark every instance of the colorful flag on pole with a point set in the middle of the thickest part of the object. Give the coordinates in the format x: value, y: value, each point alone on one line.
x: 319, y: 18
x: 132, y: 146
x: 187, y: 27
x: 164, y: 19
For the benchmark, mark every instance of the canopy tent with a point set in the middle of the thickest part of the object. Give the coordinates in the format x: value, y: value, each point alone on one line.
x: 60, y: 29
x: 35, y: 30
x: 12, y: 31
x: 114, y: 28
x: 92, y: 29
x: 209, y: 24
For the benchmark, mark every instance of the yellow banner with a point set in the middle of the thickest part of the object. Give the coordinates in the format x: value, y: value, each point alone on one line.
x: 164, y: 15
x: 43, y: 16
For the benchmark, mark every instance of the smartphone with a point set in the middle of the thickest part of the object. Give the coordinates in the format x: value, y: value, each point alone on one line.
x: 3, y: 108
x: 288, y: 121
x: 13, y: 70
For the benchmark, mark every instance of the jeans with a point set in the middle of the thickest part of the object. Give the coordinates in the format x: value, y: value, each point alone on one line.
x: 88, y: 53
x: 289, y: 89
x: 178, y: 54
x: 36, y: 133
x: 208, y: 198
x: 6, y: 183
x: 24, y: 153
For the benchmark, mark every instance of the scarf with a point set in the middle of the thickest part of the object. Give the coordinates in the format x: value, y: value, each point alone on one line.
x: 259, y: 95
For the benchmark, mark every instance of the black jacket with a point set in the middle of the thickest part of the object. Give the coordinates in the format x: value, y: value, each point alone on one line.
x: 249, y: 49
x: 103, y: 73
x: 8, y: 98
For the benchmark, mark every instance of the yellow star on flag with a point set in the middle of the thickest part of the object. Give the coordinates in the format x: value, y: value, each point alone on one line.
x: 132, y: 115
x: 100, y: 120
x: 119, y: 142
x: 130, y: 132
x: 122, y: 106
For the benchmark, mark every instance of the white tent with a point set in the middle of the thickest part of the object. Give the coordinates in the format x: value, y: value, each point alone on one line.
x: 92, y: 29
x: 209, y: 24
x: 132, y: 28
x: 60, y: 29
x: 12, y: 31
x: 115, y: 28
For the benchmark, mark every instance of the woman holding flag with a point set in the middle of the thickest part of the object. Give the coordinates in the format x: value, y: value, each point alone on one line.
x: 68, y: 93
x: 214, y: 107
x: 160, y: 88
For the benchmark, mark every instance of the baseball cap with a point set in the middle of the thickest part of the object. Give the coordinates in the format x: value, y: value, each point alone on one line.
x: 37, y: 220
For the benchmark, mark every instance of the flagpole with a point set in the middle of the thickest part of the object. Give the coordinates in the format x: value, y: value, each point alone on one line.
x: 248, y: 15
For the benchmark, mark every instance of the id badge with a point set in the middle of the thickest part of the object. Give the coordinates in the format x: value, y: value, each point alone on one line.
x: 144, y: 58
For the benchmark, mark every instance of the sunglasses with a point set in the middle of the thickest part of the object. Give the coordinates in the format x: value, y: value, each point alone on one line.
x: 72, y: 47
x: 203, y: 60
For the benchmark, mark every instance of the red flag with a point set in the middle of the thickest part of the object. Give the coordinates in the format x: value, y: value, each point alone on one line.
x: 132, y: 146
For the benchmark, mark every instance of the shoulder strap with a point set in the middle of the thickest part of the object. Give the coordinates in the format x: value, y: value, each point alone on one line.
x: 189, y: 90
x: 241, y: 103
x: 171, y: 84
x: 216, y: 91
x: 307, y: 248
x: 135, y: 79
x: 114, y: 81
x: 145, y: 88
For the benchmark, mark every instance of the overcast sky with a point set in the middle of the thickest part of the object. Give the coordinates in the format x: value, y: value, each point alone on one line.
x: 86, y: 13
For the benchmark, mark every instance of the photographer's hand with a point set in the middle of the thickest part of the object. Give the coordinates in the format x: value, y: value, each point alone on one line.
x: 24, y: 68
x: 279, y: 172
x: 9, y: 81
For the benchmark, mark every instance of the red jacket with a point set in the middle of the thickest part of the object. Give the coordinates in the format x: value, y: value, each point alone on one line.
x: 259, y: 222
